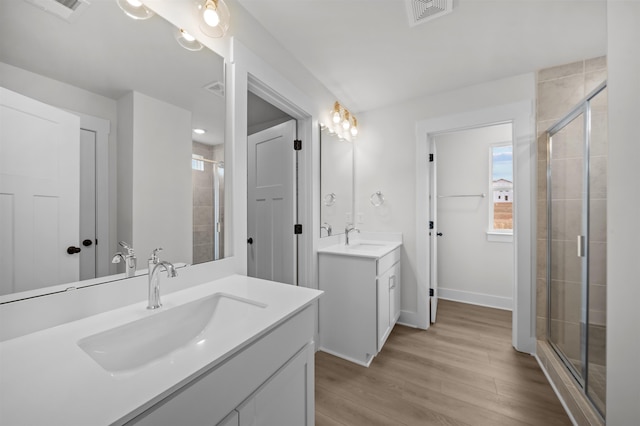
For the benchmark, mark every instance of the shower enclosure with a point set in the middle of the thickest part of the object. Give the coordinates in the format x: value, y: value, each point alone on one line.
x: 577, y: 240
x: 208, y: 202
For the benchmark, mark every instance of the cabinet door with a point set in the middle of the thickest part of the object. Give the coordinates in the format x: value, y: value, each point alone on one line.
x: 384, y: 324
x: 394, y: 294
x: 286, y: 398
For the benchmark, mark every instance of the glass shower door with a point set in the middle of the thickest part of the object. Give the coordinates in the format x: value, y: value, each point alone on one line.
x: 567, y: 250
x: 577, y: 243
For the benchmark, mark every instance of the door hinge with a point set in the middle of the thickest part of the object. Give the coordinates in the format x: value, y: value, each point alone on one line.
x: 430, y: 224
x: 297, y: 229
x: 431, y: 158
x: 430, y: 292
x: 297, y: 145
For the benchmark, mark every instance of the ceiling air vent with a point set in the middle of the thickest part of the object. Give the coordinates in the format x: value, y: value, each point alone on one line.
x: 68, y: 10
x: 425, y: 10
x: 217, y: 88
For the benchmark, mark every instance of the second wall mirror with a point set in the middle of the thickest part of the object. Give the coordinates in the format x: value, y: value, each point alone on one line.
x: 336, y: 183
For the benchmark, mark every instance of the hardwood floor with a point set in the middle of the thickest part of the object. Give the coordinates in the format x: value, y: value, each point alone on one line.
x: 462, y: 371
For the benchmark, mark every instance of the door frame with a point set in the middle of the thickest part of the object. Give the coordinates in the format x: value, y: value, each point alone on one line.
x: 101, y: 127
x: 525, y: 154
x: 303, y: 122
x: 250, y: 72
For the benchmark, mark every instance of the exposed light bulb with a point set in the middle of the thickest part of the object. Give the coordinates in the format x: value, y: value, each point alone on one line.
x: 346, y: 123
x: 135, y: 3
x: 188, y: 37
x: 354, y: 128
x: 210, y: 15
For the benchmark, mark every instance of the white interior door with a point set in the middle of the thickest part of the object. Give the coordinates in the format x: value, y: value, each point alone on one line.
x: 271, y: 247
x: 39, y: 187
x: 433, y: 233
x: 88, y: 227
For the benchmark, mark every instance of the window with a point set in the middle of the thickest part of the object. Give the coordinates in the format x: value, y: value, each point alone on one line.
x: 197, y: 162
x: 501, y: 205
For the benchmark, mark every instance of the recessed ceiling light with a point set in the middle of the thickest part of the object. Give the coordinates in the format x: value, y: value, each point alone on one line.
x: 199, y: 131
x: 135, y: 9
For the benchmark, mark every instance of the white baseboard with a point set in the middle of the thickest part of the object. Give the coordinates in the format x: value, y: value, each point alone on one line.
x: 348, y: 358
x: 488, y: 300
x: 408, y: 318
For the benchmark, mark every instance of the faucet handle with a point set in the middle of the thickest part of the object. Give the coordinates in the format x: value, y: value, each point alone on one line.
x: 127, y: 247
x: 155, y: 258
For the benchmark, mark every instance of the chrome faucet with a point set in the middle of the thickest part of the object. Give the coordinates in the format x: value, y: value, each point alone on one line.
x: 328, y: 228
x: 129, y: 259
x: 155, y: 264
x: 350, y: 227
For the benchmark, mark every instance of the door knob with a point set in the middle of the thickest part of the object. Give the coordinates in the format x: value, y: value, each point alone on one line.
x: 250, y: 240
x: 87, y: 243
x: 73, y: 250
x: 439, y: 234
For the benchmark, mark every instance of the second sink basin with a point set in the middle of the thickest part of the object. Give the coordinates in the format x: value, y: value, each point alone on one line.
x: 364, y: 246
x: 140, y: 342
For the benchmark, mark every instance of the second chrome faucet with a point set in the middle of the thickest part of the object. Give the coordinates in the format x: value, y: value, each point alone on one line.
x: 349, y: 228
x: 155, y: 265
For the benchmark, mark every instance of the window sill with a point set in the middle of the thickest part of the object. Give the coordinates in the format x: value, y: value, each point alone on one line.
x: 499, y: 237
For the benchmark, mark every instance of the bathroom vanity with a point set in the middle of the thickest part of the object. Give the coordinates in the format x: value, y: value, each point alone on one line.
x: 235, y: 351
x: 361, y: 303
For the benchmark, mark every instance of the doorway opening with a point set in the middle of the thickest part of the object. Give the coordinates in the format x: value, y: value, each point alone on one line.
x: 471, y: 216
x: 272, y: 182
x: 524, y: 154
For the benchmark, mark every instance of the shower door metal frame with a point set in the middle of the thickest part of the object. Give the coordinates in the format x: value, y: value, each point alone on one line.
x: 584, y: 108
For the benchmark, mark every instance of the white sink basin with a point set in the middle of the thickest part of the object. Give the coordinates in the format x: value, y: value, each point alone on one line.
x: 140, y: 342
x: 364, y: 246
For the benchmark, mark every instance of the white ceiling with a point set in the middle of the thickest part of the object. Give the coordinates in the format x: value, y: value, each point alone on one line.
x: 369, y: 56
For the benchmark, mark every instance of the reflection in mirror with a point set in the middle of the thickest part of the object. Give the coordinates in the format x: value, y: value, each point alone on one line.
x: 336, y: 183
x: 97, y: 115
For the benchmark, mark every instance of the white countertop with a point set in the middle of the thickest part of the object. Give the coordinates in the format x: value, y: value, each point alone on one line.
x: 363, y: 248
x: 47, y: 379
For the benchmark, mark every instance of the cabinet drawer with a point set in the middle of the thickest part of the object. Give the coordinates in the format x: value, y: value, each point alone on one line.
x: 387, y: 261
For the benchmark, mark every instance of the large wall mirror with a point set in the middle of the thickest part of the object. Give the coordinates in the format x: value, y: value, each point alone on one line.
x: 98, y: 145
x: 336, y: 183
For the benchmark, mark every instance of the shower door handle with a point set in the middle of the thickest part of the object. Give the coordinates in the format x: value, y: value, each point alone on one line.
x: 580, y: 245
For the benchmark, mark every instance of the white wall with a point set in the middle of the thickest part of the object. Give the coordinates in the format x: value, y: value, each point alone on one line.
x: 162, y: 194
x: 623, y: 211
x: 251, y: 52
x: 154, y: 181
x: 470, y: 268
x: 385, y: 160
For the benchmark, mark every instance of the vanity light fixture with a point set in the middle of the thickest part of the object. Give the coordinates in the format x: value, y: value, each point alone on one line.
x: 135, y: 9
x: 187, y: 41
x: 214, y: 17
x: 344, y: 122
